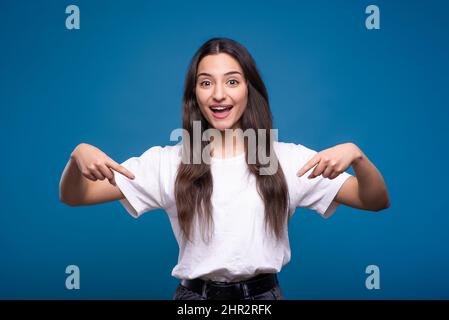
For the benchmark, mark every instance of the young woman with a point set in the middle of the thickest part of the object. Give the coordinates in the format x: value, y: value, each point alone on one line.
x: 230, y: 187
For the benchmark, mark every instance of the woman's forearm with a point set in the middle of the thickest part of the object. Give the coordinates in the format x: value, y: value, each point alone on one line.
x: 372, y: 189
x: 72, y: 186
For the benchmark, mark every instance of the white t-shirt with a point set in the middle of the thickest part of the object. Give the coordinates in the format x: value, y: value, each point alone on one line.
x: 240, y: 248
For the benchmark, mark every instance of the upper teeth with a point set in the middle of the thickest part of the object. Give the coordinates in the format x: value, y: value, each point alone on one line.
x: 220, y: 108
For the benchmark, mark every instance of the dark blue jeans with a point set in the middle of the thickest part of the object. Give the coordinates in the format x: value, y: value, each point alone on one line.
x: 183, y: 293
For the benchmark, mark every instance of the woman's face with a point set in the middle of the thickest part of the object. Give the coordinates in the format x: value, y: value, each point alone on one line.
x: 221, y: 91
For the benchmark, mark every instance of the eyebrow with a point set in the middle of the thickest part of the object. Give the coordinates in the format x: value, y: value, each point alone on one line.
x: 209, y: 75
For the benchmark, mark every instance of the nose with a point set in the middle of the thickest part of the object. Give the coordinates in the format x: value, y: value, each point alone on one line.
x: 219, y: 93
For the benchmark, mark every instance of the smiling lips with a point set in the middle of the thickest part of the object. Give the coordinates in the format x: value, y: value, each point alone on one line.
x: 220, y: 111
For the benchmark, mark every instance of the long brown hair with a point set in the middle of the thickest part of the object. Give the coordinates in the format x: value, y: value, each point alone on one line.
x: 194, y: 185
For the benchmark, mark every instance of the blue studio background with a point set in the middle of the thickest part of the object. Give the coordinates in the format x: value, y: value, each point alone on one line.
x: 117, y: 83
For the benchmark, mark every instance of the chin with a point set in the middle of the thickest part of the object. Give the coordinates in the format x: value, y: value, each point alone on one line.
x: 221, y: 125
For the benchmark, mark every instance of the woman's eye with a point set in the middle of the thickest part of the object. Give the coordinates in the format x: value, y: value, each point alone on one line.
x: 233, y: 82
x: 204, y: 83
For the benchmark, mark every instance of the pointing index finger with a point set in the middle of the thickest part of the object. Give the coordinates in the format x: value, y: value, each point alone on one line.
x: 120, y: 169
x: 310, y: 164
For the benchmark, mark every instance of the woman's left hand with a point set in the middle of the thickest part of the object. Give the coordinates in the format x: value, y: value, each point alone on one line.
x: 333, y: 161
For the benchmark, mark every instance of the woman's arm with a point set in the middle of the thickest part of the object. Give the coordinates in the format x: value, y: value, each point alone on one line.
x: 366, y: 191
x: 88, y: 178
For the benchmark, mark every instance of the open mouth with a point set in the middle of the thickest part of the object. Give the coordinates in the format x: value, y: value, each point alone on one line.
x: 221, y: 111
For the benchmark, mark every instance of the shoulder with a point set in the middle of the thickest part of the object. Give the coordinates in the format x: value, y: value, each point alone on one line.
x: 288, y: 151
x: 165, y: 153
x: 161, y: 159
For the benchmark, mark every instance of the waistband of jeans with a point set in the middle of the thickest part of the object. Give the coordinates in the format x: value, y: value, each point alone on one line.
x: 232, y: 290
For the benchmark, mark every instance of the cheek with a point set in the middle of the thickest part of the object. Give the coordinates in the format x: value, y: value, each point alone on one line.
x: 243, y: 99
x: 200, y: 97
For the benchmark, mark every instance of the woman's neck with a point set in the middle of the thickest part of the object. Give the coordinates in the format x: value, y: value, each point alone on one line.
x: 231, y: 145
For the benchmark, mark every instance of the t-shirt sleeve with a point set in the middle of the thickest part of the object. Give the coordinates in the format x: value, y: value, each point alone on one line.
x: 145, y: 191
x: 318, y: 193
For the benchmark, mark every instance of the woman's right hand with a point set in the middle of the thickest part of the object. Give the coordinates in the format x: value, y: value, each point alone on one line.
x: 94, y: 164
